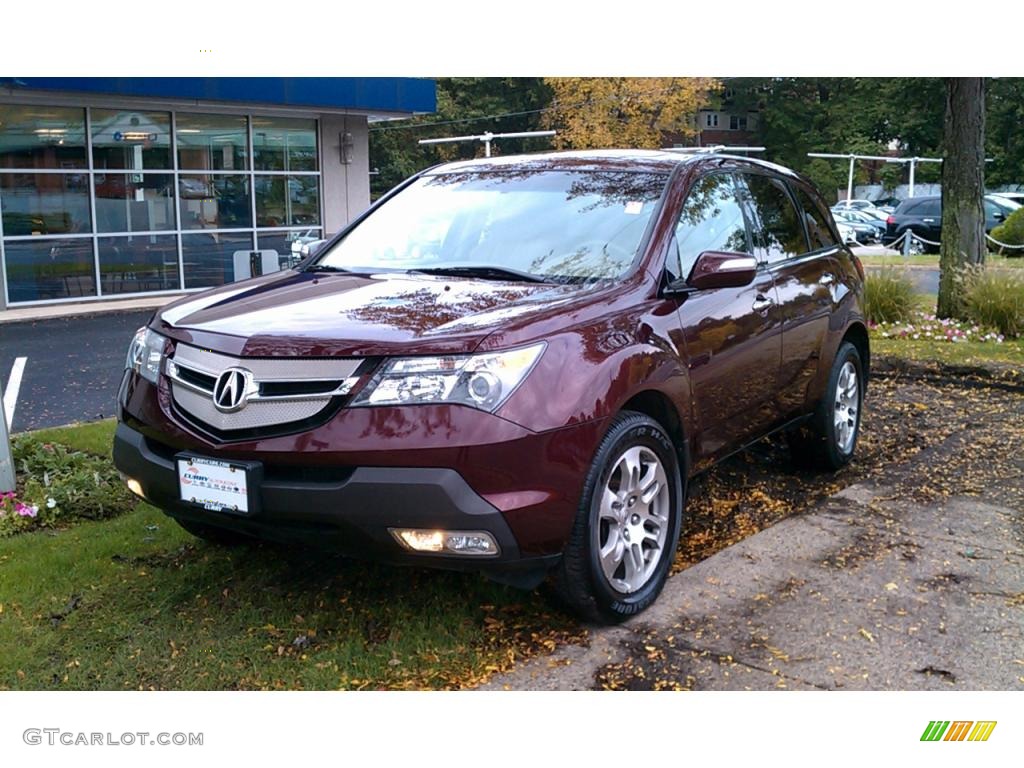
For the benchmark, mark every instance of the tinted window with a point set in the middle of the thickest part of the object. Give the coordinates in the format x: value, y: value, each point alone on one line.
x: 818, y: 230
x: 929, y: 208
x: 778, y: 229
x: 711, y: 220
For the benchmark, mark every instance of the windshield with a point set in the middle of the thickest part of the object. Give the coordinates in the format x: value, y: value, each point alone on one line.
x: 562, y: 226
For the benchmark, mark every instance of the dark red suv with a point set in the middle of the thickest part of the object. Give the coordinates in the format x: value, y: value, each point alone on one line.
x: 510, y: 364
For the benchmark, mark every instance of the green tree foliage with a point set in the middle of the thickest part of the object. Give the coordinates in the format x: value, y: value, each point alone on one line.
x: 394, y: 150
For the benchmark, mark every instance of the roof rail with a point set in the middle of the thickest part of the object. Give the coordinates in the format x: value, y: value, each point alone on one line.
x: 713, y: 148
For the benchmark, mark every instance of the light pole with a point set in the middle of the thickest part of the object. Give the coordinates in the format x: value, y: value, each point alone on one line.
x: 6, y: 460
x: 488, y: 137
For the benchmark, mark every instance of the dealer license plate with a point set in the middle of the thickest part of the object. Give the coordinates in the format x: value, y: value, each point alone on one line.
x: 220, y: 486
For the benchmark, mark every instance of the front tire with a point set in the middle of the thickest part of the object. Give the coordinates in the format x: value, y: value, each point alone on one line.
x: 829, y: 439
x: 624, y: 538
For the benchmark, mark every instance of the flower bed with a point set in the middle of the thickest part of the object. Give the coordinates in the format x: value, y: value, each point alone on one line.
x: 57, y: 485
x: 929, y: 327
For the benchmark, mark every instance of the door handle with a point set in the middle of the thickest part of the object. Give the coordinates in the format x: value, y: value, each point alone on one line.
x: 762, y: 303
x: 928, y: 221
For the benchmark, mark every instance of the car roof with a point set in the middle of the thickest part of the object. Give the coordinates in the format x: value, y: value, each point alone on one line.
x: 630, y: 160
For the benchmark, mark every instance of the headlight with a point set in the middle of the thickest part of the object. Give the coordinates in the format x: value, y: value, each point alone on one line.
x: 145, y: 353
x: 481, y: 381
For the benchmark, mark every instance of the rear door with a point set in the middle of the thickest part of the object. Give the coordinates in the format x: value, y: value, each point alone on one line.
x: 732, y: 336
x: 794, y: 238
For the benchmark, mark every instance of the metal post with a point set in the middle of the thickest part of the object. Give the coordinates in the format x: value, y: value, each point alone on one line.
x: 6, y: 460
x: 913, y: 165
x: 907, y: 238
x: 849, y: 182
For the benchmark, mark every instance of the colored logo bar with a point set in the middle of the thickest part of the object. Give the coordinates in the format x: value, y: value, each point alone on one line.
x: 958, y: 730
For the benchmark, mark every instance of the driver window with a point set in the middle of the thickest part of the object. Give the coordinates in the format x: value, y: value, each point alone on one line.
x: 711, y: 220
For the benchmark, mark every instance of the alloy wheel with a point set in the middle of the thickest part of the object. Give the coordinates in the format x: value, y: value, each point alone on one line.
x: 847, y: 407
x: 633, y: 519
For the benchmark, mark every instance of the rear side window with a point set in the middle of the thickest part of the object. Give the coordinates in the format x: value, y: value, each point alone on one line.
x: 778, y: 229
x: 818, y: 230
x: 928, y: 208
x: 711, y: 220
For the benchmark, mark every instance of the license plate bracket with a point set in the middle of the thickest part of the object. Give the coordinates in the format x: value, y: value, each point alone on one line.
x: 219, y: 485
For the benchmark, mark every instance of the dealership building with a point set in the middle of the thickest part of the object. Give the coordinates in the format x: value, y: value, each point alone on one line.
x: 116, y: 187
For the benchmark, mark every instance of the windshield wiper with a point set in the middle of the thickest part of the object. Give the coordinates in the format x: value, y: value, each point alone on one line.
x: 324, y: 268
x: 483, y: 270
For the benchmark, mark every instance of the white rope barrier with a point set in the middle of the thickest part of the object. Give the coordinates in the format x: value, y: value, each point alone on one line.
x: 1002, y: 245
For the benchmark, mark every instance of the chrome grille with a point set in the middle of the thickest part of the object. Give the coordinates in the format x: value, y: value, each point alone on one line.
x: 280, y: 390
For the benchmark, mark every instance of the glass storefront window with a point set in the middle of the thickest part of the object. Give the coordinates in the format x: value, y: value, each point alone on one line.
x: 212, y: 142
x: 42, y: 137
x: 287, y: 201
x: 138, y: 263
x: 45, y: 203
x: 284, y: 144
x: 43, y: 269
x: 209, y: 257
x: 132, y: 141
x: 282, y: 242
x: 134, y: 202
x: 215, y: 202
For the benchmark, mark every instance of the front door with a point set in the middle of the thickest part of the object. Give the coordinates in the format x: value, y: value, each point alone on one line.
x: 732, y: 336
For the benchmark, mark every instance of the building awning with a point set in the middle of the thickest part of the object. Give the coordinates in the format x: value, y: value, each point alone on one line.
x: 365, y: 94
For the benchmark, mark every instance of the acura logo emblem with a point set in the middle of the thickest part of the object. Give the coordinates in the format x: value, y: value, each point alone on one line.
x: 232, y: 389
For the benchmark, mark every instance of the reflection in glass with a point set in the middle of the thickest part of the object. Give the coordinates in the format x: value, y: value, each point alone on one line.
x: 780, y: 232
x: 44, y: 203
x: 49, y: 269
x: 42, y: 137
x: 138, y: 263
x: 214, y: 202
x: 711, y: 220
x: 134, y: 202
x: 565, y: 226
x: 212, y: 142
x: 818, y: 229
x: 209, y: 257
x: 287, y: 201
x: 283, y: 243
x: 131, y: 140
x: 284, y: 144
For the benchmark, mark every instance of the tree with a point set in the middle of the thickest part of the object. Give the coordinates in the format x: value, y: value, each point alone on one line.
x: 600, y: 112
x: 465, y: 105
x: 963, y: 187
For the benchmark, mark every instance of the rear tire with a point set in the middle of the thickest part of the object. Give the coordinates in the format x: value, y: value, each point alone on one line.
x: 624, y: 538
x: 829, y: 439
x: 215, y: 534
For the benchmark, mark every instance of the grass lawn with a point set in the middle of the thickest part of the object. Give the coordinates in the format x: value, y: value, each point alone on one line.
x: 96, y: 437
x: 136, y: 602
x: 932, y: 260
x: 961, y: 353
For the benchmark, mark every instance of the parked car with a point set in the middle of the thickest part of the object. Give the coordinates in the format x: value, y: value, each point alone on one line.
x: 886, y: 204
x: 513, y: 365
x: 846, y: 233
x: 867, y: 228
x: 1013, y: 197
x: 923, y: 216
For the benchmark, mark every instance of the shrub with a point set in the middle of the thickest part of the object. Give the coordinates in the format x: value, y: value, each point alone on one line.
x: 1011, y: 231
x: 888, y: 296
x: 994, y: 298
x: 57, y: 485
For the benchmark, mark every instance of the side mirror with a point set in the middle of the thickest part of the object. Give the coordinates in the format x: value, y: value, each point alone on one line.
x: 999, y: 216
x: 722, y: 269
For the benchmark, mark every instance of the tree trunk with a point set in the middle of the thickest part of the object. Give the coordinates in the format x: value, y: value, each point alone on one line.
x: 963, y: 187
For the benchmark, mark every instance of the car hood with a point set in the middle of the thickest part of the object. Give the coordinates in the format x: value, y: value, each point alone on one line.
x: 337, y: 314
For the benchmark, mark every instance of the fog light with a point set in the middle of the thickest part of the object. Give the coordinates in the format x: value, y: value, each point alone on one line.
x: 135, y: 487
x: 452, y: 542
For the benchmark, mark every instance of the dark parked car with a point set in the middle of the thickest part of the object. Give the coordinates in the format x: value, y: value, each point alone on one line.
x: 512, y: 364
x: 923, y: 215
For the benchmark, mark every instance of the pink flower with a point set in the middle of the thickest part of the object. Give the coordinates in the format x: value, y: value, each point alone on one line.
x: 25, y: 510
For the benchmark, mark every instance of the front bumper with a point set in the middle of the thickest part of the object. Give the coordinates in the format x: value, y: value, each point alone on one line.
x: 350, y: 512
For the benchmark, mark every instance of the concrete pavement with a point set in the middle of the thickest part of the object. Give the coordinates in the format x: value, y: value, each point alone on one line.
x: 911, y: 579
